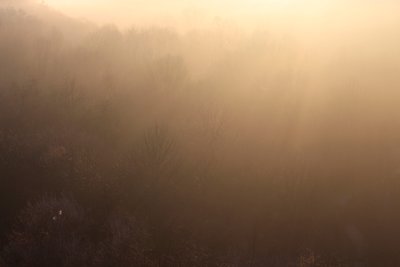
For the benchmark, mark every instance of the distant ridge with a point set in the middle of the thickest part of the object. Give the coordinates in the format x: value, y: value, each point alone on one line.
x: 50, y: 17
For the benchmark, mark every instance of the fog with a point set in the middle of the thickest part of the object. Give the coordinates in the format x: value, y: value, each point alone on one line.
x: 186, y: 133
x: 244, y: 14
x: 128, y: 12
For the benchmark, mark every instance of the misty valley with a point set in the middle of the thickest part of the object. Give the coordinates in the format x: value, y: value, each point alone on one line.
x: 153, y: 146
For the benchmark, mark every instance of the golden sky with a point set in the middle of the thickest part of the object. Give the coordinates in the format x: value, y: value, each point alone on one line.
x: 126, y: 12
x: 186, y: 13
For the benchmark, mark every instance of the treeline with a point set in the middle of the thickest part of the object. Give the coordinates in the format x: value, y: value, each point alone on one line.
x: 209, y: 148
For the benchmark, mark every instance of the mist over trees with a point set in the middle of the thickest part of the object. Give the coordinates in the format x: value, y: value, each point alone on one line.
x: 151, y: 147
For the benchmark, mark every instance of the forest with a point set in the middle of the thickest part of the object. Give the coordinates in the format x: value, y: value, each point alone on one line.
x: 210, y: 147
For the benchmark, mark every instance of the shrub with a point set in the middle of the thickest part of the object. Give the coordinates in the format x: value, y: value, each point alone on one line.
x: 51, y: 232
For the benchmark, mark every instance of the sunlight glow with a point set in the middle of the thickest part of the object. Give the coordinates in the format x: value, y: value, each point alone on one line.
x: 125, y: 12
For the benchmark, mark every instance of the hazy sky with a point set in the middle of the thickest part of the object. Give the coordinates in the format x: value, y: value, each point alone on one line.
x: 186, y: 13
x: 125, y: 12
